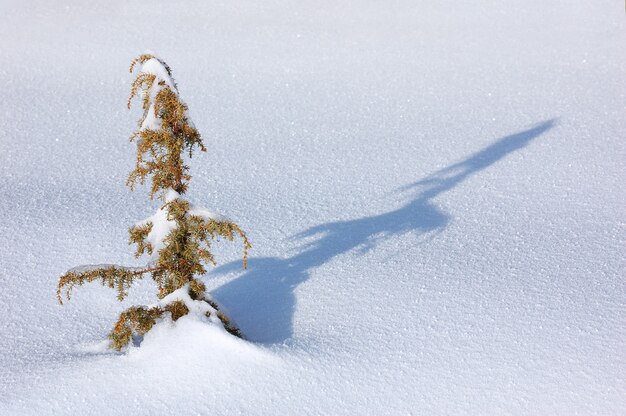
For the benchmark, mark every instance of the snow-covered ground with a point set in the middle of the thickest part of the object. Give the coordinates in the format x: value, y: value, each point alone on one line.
x: 434, y: 191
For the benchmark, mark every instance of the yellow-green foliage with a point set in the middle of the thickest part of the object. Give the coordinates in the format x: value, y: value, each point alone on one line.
x: 159, y: 151
x: 115, y: 277
x: 187, y: 247
x: 136, y: 319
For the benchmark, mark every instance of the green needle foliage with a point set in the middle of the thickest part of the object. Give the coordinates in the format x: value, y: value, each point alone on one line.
x: 165, y: 133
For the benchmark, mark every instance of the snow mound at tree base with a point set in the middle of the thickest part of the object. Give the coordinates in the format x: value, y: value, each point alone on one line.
x: 179, y: 305
x: 198, y: 334
x: 192, y: 329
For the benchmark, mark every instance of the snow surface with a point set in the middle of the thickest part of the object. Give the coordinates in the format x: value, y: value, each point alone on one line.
x: 434, y: 191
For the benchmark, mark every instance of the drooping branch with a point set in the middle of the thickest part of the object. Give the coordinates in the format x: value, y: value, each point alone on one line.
x: 212, y: 228
x: 137, y: 319
x: 113, y: 276
x: 143, y: 82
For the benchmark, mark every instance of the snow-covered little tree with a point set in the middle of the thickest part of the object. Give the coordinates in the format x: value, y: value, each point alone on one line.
x: 178, y: 237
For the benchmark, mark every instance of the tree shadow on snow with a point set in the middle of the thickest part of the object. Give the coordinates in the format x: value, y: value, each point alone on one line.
x: 262, y: 300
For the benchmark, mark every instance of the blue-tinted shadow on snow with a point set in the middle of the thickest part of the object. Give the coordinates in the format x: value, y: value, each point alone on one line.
x: 262, y: 299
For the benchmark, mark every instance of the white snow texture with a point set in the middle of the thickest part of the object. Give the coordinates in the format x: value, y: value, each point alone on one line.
x: 434, y: 192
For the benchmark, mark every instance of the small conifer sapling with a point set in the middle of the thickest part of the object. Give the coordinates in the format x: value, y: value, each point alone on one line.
x: 178, y: 237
